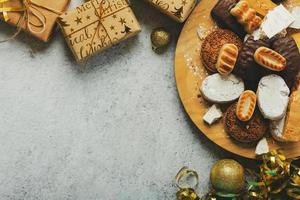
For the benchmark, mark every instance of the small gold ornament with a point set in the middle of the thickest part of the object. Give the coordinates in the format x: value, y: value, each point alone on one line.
x: 227, y: 178
x: 160, y: 39
x: 186, y: 192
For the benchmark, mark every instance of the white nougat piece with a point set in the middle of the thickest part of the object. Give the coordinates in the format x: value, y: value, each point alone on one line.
x: 258, y: 34
x: 272, y: 97
x: 262, y: 147
x: 276, y: 21
x: 222, y: 89
x: 277, y: 129
x: 212, y: 115
x: 296, y: 15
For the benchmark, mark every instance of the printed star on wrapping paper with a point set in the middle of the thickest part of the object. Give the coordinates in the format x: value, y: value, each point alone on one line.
x: 112, y: 28
x: 78, y: 20
x: 183, y: 2
x: 114, y: 16
x: 88, y: 17
x: 122, y: 21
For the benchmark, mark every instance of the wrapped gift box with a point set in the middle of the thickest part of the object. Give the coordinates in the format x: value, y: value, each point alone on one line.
x: 37, y: 17
x: 97, y: 25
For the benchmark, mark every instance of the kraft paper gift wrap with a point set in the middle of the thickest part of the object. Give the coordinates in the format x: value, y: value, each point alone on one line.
x: 37, y: 17
x: 178, y: 10
x: 97, y: 25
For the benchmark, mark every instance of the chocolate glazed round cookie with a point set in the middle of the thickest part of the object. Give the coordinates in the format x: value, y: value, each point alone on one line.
x: 245, y: 132
x: 246, y: 66
x: 221, y: 14
x: 287, y: 47
x: 213, y: 43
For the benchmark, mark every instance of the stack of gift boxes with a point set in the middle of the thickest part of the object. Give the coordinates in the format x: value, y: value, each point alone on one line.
x: 89, y: 28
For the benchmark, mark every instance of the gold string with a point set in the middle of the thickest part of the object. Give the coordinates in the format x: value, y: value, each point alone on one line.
x: 186, y: 192
x: 184, y: 172
x: 99, y: 14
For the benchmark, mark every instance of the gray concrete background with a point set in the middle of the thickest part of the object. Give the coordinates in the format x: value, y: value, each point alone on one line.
x: 116, y: 131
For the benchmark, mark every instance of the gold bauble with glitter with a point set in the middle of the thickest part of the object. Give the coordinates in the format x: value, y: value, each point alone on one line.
x: 160, y: 39
x: 227, y: 176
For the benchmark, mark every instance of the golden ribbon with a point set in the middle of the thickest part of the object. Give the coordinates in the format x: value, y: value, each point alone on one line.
x: 30, y: 10
x: 294, y: 184
x: 186, y: 192
x: 276, y: 176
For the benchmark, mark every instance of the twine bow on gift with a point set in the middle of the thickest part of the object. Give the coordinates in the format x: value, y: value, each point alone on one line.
x: 99, y: 12
x: 34, y: 19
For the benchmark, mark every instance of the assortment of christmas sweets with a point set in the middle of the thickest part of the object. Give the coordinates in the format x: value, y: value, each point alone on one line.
x: 254, y: 60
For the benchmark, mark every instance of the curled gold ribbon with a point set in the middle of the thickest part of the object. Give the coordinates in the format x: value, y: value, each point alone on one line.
x: 275, y: 171
x: 186, y: 192
x: 277, y: 176
x: 273, y: 176
x: 30, y: 10
x: 294, y: 184
x: 185, y: 172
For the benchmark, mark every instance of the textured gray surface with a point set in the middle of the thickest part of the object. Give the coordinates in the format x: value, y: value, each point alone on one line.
x: 116, y: 131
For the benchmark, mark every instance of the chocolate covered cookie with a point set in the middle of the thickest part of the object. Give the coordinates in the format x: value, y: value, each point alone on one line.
x: 245, y: 132
x: 278, y: 1
x: 213, y: 43
x: 291, y: 31
x: 246, y: 66
x: 287, y: 47
x: 221, y: 14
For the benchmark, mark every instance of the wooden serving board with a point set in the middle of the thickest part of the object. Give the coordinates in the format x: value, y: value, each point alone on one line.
x: 190, y: 73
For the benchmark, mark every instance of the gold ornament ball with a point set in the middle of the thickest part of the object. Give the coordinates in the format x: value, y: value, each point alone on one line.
x: 227, y: 176
x: 160, y: 38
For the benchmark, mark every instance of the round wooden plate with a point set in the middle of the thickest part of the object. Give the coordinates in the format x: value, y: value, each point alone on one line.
x: 190, y: 72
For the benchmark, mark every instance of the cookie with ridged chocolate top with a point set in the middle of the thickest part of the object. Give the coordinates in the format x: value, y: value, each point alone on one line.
x: 246, y: 66
x: 221, y: 14
x: 245, y: 132
x: 287, y: 47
